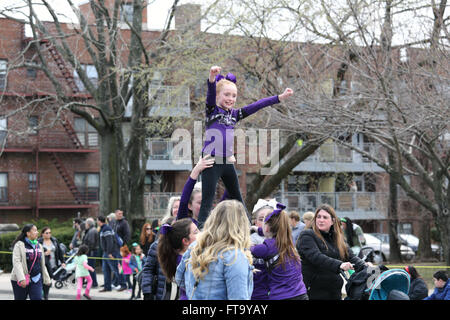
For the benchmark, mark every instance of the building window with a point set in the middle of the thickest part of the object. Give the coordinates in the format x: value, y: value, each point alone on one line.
x: 91, y: 73
x: 3, y: 68
x: 3, y: 130
x: 405, y: 227
x: 126, y: 14
x: 32, y: 181
x: 88, y: 185
x: 153, y: 183
x: 31, y: 73
x: 298, y: 183
x: 86, y: 133
x: 3, y: 187
x: 33, y: 122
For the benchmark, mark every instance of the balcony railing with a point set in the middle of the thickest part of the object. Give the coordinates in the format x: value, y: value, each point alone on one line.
x: 45, y: 139
x: 332, y: 152
x: 160, y: 149
x: 170, y: 101
x: 340, y: 201
x: 374, y: 203
x: 46, y: 197
x: 155, y: 203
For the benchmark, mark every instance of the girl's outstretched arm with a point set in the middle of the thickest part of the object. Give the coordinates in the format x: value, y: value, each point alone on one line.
x: 265, y: 102
x: 211, y: 94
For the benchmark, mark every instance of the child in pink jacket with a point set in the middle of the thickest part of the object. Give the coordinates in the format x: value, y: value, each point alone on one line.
x: 126, y: 256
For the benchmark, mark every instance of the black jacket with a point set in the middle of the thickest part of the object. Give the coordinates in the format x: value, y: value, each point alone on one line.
x: 59, y: 255
x: 418, y: 289
x: 321, y: 266
x: 122, y: 228
x: 91, y: 239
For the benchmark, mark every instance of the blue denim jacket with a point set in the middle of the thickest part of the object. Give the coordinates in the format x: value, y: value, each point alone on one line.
x: 230, y: 277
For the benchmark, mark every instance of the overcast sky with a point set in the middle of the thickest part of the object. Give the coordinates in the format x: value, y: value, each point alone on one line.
x: 157, y: 9
x: 409, y: 27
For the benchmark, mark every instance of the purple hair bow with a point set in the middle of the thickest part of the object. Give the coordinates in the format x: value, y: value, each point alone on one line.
x: 230, y: 77
x: 165, y: 228
x: 277, y: 211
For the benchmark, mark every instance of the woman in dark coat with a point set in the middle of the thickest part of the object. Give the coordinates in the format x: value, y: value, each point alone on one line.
x: 418, y: 288
x: 324, y: 255
x: 54, y: 256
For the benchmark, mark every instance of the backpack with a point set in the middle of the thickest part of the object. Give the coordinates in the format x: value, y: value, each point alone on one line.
x: 118, y: 239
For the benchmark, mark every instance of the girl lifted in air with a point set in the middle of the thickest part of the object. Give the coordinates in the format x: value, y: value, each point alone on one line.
x: 221, y: 118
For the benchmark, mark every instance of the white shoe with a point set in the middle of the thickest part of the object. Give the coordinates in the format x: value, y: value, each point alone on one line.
x: 115, y: 287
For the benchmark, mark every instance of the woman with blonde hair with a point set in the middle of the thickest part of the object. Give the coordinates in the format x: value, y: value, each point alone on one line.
x: 172, y: 207
x: 324, y: 255
x: 218, y: 265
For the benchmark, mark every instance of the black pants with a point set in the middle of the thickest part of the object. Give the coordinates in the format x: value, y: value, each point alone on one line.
x: 210, y: 178
x: 33, y: 290
x: 300, y: 297
x: 134, y: 287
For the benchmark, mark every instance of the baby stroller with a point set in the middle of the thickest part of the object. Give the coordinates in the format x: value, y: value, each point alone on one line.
x: 368, y: 254
x: 391, y: 285
x: 65, y: 277
x: 378, y: 283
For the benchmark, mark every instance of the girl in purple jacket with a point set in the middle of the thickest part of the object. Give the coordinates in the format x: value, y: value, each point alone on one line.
x: 221, y: 118
x: 283, y: 266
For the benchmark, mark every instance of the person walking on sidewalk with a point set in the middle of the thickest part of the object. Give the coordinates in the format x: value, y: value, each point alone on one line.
x: 111, y: 255
x: 54, y: 256
x: 91, y: 240
x: 29, y: 271
x: 82, y: 269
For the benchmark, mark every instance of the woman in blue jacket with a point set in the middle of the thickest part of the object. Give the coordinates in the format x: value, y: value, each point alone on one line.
x: 218, y: 266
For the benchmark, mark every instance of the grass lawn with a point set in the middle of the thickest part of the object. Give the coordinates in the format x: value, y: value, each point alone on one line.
x: 425, y: 269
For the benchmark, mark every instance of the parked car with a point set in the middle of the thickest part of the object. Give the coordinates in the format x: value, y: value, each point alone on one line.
x: 382, y: 248
x: 413, y: 242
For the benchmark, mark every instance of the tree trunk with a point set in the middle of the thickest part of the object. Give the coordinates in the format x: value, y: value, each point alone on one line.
x: 424, y: 250
x: 137, y: 160
x: 443, y: 224
x: 109, y: 173
x: 114, y: 179
x: 258, y: 189
x: 394, y: 247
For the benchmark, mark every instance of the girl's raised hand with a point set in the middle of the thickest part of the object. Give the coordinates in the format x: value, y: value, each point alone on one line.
x: 213, y: 72
x: 286, y: 94
x: 202, y: 164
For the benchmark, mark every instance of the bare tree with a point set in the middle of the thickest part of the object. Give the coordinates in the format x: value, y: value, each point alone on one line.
x: 399, y: 101
x: 125, y: 59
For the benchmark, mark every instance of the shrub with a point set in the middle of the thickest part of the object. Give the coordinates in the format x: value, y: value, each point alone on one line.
x: 61, y: 231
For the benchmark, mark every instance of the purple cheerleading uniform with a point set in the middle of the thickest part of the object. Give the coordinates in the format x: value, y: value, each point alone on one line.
x: 183, y: 210
x: 219, y: 142
x: 223, y: 121
x: 284, y: 282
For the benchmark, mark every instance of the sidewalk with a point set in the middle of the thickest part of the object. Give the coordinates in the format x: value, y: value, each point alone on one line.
x: 66, y: 293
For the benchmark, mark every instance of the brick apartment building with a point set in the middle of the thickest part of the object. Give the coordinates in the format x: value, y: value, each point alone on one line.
x: 48, y: 167
x: 54, y: 171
